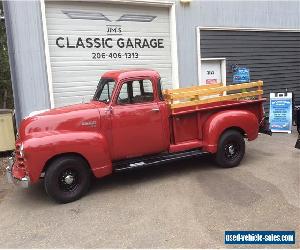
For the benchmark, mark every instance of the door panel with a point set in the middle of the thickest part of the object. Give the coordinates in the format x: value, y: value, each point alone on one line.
x: 137, y: 130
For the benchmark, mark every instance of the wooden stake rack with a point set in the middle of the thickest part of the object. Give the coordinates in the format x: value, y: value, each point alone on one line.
x: 204, y: 94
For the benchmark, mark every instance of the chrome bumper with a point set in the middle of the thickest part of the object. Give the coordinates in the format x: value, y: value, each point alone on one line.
x: 24, y: 182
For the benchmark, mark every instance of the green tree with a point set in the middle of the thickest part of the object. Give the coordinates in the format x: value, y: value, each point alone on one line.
x: 6, y: 96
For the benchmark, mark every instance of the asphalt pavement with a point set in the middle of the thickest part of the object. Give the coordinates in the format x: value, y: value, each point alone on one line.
x: 187, y: 204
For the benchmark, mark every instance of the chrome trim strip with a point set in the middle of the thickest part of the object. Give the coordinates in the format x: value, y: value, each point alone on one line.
x: 73, y: 14
x: 136, y: 18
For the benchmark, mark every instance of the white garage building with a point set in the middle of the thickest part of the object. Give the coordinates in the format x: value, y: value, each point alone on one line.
x: 85, y: 39
x: 59, y: 49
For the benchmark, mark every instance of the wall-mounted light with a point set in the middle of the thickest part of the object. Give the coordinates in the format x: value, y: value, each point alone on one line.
x: 1, y: 15
x: 185, y: 1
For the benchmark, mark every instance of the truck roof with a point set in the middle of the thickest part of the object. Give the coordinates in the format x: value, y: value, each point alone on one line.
x: 126, y: 73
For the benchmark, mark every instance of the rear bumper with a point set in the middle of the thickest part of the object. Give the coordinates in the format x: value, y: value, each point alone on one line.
x: 264, y: 126
x: 22, y: 182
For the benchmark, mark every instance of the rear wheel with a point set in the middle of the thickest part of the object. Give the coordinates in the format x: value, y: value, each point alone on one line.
x: 67, y: 179
x: 231, y: 149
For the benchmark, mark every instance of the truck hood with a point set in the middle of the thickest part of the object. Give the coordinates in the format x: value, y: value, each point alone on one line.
x: 78, y: 117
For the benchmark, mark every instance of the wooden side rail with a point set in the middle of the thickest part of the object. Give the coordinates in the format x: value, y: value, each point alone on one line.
x: 211, y: 93
x: 173, y: 91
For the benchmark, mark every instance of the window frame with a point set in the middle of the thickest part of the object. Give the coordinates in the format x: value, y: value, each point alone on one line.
x: 138, y: 79
x: 100, y: 90
x: 159, y: 90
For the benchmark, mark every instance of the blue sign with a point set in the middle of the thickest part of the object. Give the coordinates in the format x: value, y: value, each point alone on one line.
x: 281, y: 112
x: 259, y: 237
x: 241, y: 75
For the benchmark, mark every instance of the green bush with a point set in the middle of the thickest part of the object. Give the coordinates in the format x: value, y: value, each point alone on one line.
x: 6, y: 94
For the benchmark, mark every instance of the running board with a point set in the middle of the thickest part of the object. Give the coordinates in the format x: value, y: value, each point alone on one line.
x: 152, y: 160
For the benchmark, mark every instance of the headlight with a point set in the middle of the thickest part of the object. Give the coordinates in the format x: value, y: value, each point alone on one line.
x: 22, y: 150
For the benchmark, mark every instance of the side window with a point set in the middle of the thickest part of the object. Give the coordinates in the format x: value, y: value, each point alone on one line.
x: 142, y: 91
x: 138, y: 91
x: 123, y: 97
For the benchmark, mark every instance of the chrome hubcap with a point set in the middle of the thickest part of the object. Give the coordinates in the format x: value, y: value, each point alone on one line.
x: 231, y: 150
x: 69, y: 179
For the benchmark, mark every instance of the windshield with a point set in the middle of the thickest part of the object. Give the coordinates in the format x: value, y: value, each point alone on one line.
x: 104, y: 90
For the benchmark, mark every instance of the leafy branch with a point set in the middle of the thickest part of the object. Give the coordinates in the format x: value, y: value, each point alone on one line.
x: 6, y: 96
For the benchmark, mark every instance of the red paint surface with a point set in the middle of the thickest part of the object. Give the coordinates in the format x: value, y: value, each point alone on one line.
x: 126, y: 131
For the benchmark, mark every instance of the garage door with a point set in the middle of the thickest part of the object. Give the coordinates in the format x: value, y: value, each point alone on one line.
x: 273, y: 57
x: 87, y: 39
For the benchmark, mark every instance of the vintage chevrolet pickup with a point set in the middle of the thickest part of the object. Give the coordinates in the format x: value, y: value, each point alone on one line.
x: 131, y: 123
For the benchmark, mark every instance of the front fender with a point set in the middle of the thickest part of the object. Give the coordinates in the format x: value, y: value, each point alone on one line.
x: 91, y: 145
x: 221, y: 121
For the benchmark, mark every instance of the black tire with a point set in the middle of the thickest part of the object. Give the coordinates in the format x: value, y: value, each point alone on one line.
x: 67, y: 179
x: 231, y: 149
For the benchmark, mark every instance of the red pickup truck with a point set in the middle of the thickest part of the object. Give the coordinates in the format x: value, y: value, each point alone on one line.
x: 127, y: 125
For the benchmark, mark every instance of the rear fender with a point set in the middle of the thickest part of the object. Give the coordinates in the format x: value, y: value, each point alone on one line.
x: 90, y: 145
x: 214, y: 127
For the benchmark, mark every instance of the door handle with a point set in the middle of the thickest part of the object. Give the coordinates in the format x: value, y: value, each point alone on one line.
x: 155, y: 110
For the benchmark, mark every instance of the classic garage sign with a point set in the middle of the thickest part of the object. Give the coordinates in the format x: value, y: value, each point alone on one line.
x: 66, y: 42
x: 88, y: 38
x: 111, y: 30
x: 110, y: 43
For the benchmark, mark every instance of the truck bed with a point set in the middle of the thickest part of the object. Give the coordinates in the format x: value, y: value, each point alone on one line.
x: 189, y: 115
x: 212, y: 93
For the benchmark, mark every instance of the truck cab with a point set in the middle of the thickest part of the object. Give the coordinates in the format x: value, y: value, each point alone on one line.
x: 134, y: 100
x: 128, y: 124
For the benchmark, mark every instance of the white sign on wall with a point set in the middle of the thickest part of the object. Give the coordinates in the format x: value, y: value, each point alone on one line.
x: 213, y: 71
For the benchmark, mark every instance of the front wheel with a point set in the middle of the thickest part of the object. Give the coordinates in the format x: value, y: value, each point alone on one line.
x: 231, y: 149
x: 67, y: 179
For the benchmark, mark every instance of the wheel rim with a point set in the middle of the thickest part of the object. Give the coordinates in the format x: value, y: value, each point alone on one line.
x: 68, y: 180
x: 232, y: 150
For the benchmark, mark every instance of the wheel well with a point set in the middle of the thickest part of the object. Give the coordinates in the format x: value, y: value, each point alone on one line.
x: 240, y: 130
x: 49, y: 161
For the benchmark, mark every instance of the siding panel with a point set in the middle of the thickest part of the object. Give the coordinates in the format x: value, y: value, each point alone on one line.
x: 273, y: 57
x: 26, y: 56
